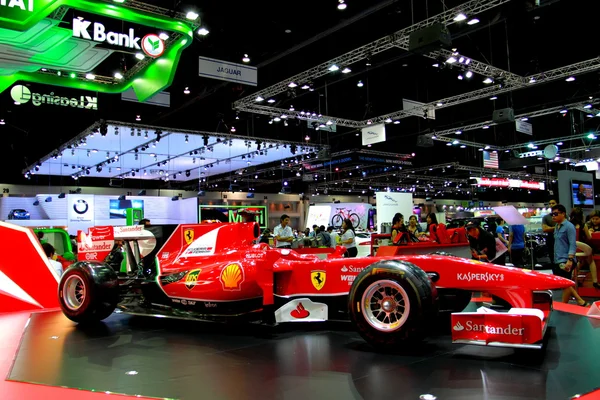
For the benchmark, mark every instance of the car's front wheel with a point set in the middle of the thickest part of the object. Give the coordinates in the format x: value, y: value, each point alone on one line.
x: 88, y: 293
x: 390, y: 302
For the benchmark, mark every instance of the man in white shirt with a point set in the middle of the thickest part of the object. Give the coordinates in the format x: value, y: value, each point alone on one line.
x: 283, y: 233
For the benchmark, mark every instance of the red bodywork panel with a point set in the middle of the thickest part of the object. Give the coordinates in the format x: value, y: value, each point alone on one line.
x: 222, y: 264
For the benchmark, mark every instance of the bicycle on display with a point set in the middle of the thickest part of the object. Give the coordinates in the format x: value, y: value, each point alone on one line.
x: 342, y: 214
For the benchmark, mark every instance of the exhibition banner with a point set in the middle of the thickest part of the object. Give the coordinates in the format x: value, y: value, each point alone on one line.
x: 359, y: 157
x: 80, y: 212
x: 390, y: 203
x: 334, y: 214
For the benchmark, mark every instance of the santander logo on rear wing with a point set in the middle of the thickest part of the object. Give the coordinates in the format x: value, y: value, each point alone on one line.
x: 96, y: 244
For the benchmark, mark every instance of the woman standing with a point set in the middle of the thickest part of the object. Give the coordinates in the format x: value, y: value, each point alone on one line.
x: 349, y: 238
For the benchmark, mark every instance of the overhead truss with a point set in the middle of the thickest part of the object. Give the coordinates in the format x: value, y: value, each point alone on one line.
x: 399, y: 38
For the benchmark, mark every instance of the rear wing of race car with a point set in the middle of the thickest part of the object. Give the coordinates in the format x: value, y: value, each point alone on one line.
x: 517, y: 327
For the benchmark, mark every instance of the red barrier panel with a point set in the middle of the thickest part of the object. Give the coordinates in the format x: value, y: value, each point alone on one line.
x: 27, y: 280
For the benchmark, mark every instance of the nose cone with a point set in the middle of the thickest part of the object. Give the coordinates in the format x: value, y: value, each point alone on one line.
x: 540, y: 281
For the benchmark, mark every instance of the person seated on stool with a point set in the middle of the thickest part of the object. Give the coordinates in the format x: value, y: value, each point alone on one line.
x: 50, y: 253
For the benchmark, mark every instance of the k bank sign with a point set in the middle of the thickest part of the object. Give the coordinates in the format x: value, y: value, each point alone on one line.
x: 151, y: 44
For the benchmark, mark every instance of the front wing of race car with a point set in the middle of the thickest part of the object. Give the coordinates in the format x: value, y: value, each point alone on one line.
x: 517, y: 327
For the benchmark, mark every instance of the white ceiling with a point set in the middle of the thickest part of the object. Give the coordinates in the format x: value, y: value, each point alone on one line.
x: 222, y: 155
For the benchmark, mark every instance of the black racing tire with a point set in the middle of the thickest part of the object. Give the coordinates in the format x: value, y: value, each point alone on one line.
x: 88, y: 292
x: 413, y: 298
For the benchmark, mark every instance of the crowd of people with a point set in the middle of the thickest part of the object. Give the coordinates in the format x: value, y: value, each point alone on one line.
x: 284, y: 236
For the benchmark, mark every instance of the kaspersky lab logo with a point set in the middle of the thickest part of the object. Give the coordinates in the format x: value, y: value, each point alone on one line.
x: 22, y: 95
x: 151, y: 44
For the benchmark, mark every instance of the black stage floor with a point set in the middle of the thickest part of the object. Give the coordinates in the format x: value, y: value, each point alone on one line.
x: 189, y: 360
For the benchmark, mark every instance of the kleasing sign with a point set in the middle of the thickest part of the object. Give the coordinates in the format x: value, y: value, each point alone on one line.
x: 151, y: 44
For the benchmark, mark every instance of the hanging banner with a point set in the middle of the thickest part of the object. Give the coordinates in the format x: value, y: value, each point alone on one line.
x: 226, y: 71
x: 390, y: 203
x: 417, y: 109
x: 373, y: 134
x: 524, y: 127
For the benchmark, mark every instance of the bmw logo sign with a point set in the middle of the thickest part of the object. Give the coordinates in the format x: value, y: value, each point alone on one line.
x: 81, y: 206
x: 153, y: 46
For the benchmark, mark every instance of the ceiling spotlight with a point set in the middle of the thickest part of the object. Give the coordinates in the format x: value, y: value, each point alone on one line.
x: 293, y: 84
x: 246, y: 59
x: 271, y: 101
x: 360, y: 84
x: 524, y: 119
x: 532, y: 80
x: 469, y: 74
x: 118, y: 75
x: 163, y: 36
x: 460, y: 17
x: 138, y: 118
x: 305, y: 87
x: 388, y: 120
x: 186, y: 90
x: 570, y: 79
x: 396, y: 122
x: 473, y: 21
x: 346, y: 70
x: 2, y: 122
x: 494, y: 98
x: 342, y: 5
x: 307, y: 138
x: 460, y: 77
x: 90, y: 76
x: 119, y: 1
x: 192, y: 16
x: 488, y: 81
x: 451, y: 60
x: 259, y: 99
x: 139, y: 56
x: 202, y: 32
x: 333, y: 68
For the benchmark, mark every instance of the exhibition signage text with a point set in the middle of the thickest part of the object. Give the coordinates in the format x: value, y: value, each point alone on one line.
x: 22, y: 95
x: 226, y: 71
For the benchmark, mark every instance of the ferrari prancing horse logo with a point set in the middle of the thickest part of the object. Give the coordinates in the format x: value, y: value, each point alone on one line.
x: 192, y: 278
x: 318, y: 279
x: 188, y: 234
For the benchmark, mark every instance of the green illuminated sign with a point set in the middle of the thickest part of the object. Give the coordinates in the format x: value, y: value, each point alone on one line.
x: 230, y: 213
x: 67, y: 56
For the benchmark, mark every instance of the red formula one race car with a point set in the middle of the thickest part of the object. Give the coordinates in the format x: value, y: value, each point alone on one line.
x: 215, y: 272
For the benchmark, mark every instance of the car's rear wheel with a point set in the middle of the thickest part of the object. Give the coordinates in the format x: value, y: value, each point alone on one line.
x: 390, y: 302
x: 88, y: 293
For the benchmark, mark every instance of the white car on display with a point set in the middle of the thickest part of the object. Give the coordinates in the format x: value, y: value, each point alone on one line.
x: 363, y: 244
